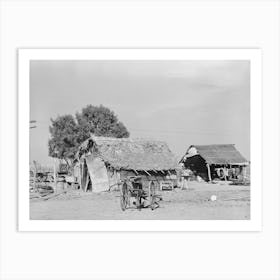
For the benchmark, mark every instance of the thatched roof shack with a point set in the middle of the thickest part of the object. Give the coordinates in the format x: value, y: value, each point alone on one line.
x: 211, y: 159
x: 219, y: 154
x: 121, y: 157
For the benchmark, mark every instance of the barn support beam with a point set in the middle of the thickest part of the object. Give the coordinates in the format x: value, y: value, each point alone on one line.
x: 209, y: 172
x: 147, y: 172
x: 244, y: 172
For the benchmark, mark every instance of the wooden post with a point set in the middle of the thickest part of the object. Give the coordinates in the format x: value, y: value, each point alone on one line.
x: 209, y: 172
x: 54, y: 174
x: 34, y: 175
x: 34, y: 179
x: 244, y: 173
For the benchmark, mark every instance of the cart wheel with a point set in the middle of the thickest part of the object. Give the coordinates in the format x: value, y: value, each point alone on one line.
x: 124, y: 196
x: 152, y: 195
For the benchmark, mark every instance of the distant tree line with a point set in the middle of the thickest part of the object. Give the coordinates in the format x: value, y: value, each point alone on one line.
x: 68, y: 131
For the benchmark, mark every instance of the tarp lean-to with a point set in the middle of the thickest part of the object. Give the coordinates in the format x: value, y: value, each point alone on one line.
x: 98, y: 173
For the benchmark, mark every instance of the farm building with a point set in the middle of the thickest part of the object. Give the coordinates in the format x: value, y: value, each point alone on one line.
x: 215, y: 162
x: 104, y: 161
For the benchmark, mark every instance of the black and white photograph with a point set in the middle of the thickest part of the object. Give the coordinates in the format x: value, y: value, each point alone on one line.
x: 139, y: 140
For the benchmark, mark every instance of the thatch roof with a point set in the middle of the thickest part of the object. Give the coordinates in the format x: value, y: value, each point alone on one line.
x: 131, y: 154
x: 220, y: 154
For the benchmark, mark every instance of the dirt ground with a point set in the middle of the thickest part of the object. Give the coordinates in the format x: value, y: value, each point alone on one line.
x: 233, y: 203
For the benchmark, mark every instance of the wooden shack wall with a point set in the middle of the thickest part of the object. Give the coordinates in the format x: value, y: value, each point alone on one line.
x: 154, y: 176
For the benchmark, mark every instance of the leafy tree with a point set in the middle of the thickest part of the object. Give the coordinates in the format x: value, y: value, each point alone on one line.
x: 63, y: 140
x: 100, y: 121
x: 68, y: 132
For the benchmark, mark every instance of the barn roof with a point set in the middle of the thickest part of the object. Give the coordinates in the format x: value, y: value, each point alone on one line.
x: 220, y: 154
x: 132, y: 154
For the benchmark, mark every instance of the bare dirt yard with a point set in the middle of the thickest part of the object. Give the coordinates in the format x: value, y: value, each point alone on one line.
x: 232, y: 203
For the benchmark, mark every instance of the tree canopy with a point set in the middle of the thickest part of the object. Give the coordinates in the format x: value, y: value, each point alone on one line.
x: 68, y: 132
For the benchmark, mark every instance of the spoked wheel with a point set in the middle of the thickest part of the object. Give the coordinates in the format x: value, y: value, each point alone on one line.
x: 152, y: 196
x: 124, y: 196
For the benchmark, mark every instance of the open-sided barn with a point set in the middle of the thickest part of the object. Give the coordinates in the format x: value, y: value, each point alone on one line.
x: 222, y: 161
x: 104, y: 161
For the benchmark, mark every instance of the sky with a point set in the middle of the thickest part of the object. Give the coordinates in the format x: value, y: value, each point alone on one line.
x: 180, y: 102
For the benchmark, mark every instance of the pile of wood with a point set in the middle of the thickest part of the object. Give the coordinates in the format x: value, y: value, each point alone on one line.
x: 40, y: 190
x: 45, y: 193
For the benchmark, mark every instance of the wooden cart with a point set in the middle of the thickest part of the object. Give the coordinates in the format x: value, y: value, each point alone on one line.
x: 133, y: 187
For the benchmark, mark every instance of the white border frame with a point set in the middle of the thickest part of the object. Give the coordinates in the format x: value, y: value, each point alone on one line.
x: 254, y: 55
